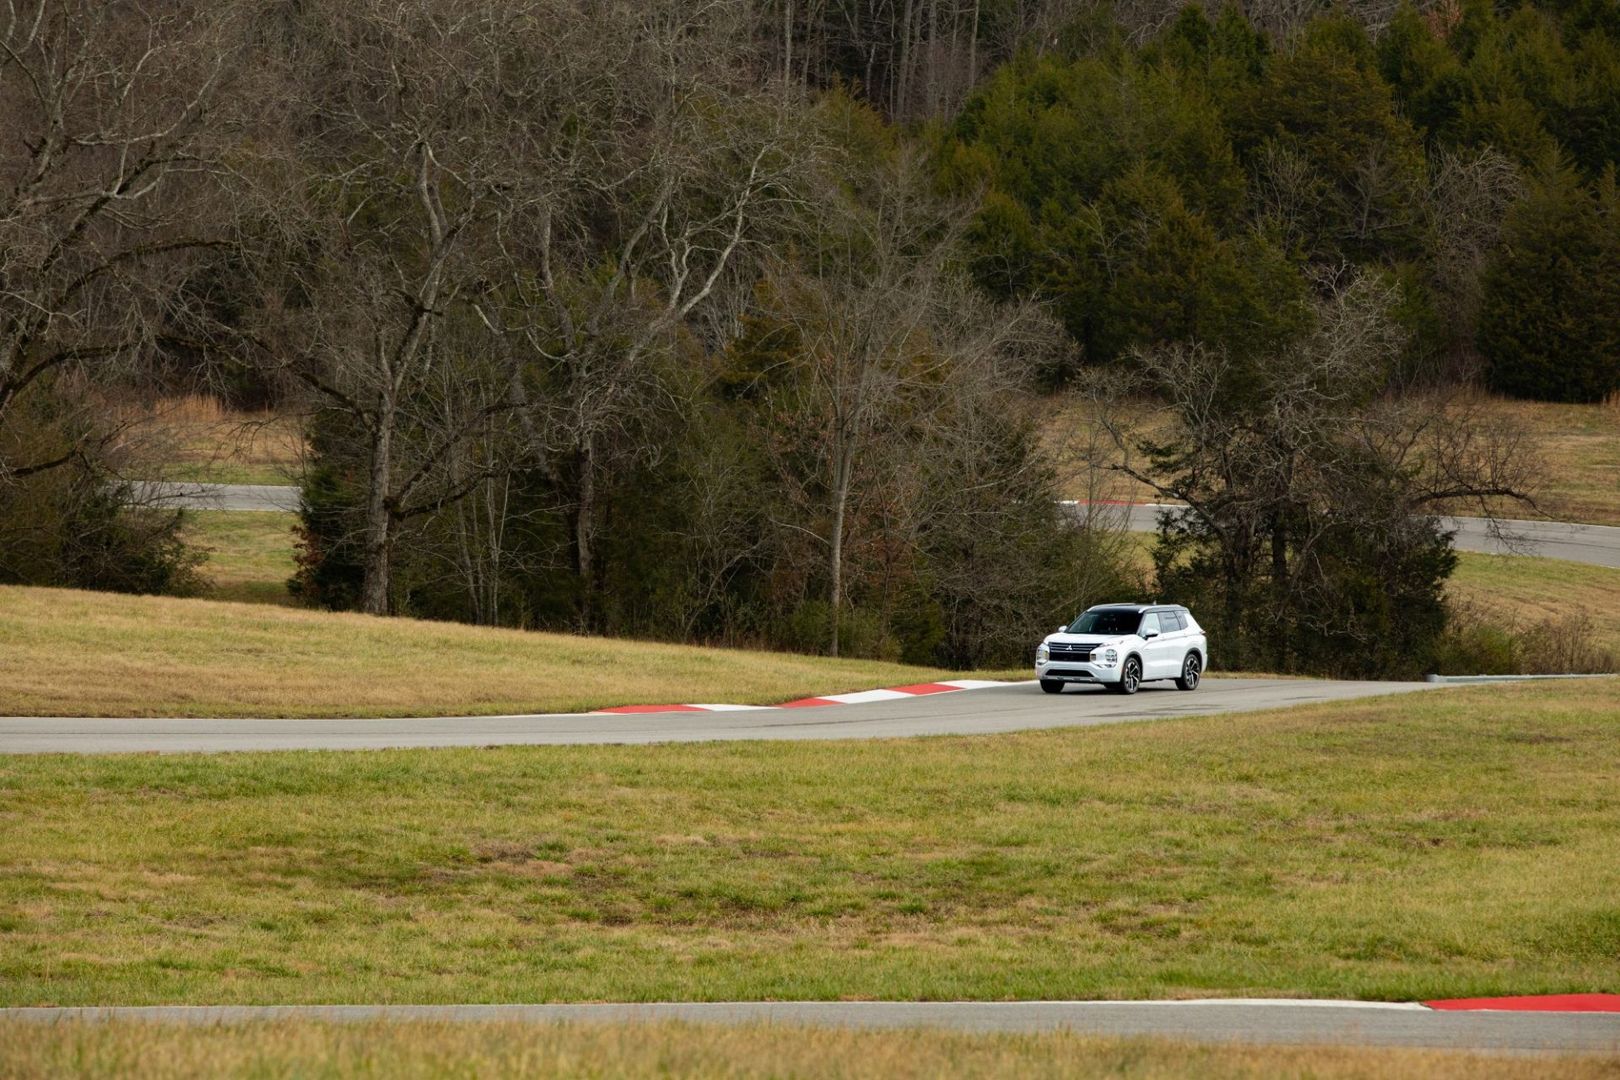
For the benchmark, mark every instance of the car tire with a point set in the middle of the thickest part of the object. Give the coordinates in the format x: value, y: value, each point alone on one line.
x: 1052, y: 686
x: 1130, y: 676
x: 1192, y: 670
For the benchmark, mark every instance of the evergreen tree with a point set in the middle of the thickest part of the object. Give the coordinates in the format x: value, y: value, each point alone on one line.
x: 1428, y: 80
x: 1550, y: 315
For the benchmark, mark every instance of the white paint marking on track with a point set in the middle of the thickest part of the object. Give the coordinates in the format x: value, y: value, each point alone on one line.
x: 858, y: 697
x: 861, y: 697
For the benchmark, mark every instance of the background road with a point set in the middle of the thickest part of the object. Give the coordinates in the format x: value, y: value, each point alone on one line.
x: 1598, y: 545
x: 1013, y: 707
x: 1344, y: 1023
x: 199, y: 496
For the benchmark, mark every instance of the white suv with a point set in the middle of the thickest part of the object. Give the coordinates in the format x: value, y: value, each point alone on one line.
x: 1123, y: 646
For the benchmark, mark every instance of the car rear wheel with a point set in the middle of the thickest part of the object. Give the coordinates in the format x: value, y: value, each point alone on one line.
x: 1130, y: 676
x: 1052, y: 686
x: 1192, y: 669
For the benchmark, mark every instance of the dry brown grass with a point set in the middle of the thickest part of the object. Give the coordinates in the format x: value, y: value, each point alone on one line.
x: 1580, y: 447
x: 1074, y: 437
x: 683, y: 1050
x: 198, y: 438
x: 65, y: 652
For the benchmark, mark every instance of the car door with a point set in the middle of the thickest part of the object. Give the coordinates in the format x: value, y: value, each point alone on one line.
x: 1152, y: 634
x: 1172, y: 642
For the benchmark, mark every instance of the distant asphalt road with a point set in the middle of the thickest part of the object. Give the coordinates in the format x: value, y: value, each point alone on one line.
x: 1598, y: 545
x: 1219, y: 1021
x: 200, y: 496
x: 992, y: 710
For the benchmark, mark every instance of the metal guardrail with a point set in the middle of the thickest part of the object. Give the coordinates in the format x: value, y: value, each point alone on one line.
x: 1461, y: 679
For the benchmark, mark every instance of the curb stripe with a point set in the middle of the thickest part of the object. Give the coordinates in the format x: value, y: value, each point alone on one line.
x: 1604, y: 1003
x: 891, y: 693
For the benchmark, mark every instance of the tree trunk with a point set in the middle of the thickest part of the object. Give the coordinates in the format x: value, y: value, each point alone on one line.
x: 379, y: 522
x: 1279, y: 591
x: 787, y: 42
x: 973, y: 48
x: 835, y: 548
x: 584, y: 540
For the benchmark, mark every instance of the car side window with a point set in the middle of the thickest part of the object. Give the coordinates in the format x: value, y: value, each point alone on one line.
x: 1150, y: 624
x: 1173, y: 621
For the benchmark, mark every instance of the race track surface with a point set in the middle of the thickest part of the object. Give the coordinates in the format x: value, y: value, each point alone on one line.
x: 1596, y: 545
x: 1223, y: 1021
x: 1009, y: 707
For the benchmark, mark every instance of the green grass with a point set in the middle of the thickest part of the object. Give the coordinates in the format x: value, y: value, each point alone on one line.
x: 250, y: 554
x: 1532, y: 590
x: 231, y: 472
x: 70, y: 653
x: 1452, y: 843
x: 683, y: 1050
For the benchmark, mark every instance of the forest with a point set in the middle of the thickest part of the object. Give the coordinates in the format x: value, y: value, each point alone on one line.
x: 789, y: 323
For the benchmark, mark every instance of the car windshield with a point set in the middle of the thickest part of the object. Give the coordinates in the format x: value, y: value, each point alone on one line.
x: 1107, y: 621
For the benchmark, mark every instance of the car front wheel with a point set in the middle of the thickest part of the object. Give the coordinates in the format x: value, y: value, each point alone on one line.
x: 1192, y: 669
x: 1130, y: 676
x: 1052, y: 686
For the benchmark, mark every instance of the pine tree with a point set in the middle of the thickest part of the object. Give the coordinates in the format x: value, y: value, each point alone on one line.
x: 1550, y: 316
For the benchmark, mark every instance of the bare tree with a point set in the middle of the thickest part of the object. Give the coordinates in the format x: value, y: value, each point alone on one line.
x: 1292, y: 469
x: 1465, y: 202
x: 879, y: 327
x: 619, y: 263
x: 107, y: 151
x: 398, y: 172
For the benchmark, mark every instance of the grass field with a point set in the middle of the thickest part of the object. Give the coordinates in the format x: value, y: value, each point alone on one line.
x: 250, y: 554
x: 1579, y: 447
x: 69, y: 653
x: 197, y: 438
x: 681, y: 1051
x: 1455, y: 843
x: 1531, y: 590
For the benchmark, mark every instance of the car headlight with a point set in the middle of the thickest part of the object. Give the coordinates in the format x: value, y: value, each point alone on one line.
x: 1110, y: 657
x: 1042, y: 653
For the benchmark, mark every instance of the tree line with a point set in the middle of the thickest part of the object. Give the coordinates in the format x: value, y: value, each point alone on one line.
x: 732, y: 322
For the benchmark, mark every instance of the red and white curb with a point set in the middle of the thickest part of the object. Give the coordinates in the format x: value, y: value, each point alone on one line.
x: 1604, y: 1003
x: 860, y: 697
x: 1598, y: 1003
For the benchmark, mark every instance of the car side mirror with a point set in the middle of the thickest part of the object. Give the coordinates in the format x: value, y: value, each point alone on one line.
x: 1061, y: 630
x: 1150, y: 635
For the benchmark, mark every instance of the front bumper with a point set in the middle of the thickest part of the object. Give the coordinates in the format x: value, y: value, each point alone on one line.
x: 1075, y: 671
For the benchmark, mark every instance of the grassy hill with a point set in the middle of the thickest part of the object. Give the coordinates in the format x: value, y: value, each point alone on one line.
x: 1453, y: 843
x: 70, y: 653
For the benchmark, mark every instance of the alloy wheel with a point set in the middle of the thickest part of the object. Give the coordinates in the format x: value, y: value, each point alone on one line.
x: 1131, y: 677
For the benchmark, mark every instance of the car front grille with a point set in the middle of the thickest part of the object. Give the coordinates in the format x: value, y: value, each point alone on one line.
x: 1061, y: 651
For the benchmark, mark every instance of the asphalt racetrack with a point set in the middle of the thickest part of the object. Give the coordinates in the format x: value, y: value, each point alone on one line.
x: 1345, y: 1023
x: 987, y: 711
